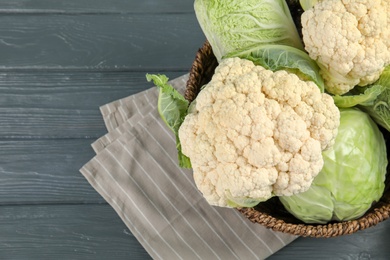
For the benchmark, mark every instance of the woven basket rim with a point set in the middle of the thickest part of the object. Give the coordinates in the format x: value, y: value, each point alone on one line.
x: 203, y: 65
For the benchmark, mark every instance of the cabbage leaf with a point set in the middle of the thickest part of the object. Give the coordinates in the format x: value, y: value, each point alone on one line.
x: 373, y: 99
x: 366, y: 98
x: 235, y: 25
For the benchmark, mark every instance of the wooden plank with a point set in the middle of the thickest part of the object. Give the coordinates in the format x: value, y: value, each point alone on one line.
x: 50, y: 123
x: 115, y: 42
x: 66, y: 232
x: 96, y: 232
x: 93, y: 6
x: 372, y: 243
x: 45, y: 171
x: 62, y: 104
x: 71, y: 89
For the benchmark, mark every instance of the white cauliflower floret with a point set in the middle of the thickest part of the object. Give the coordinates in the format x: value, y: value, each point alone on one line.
x: 349, y: 39
x: 253, y: 133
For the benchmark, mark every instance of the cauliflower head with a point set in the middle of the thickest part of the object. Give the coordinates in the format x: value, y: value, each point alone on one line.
x: 349, y: 39
x: 252, y: 133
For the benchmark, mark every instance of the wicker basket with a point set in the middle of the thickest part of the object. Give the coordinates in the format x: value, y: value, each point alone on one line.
x: 271, y: 213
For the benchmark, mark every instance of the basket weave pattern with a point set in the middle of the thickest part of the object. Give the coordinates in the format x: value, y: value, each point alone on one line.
x: 271, y: 213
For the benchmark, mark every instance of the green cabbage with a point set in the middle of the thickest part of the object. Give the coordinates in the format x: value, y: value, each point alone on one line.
x: 234, y: 25
x: 352, y: 177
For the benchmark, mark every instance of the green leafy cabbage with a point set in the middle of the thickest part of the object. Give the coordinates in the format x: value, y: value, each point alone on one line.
x: 352, y: 177
x: 234, y: 25
x: 172, y: 107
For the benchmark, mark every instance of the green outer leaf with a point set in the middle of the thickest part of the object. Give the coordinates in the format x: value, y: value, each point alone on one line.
x: 313, y: 206
x: 380, y: 110
x: 281, y: 57
x: 384, y: 79
x: 172, y: 107
x: 367, y: 98
x: 184, y: 161
x: 373, y: 99
x: 307, y: 4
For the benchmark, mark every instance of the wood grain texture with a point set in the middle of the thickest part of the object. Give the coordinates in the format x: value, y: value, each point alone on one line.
x: 96, y: 6
x: 45, y: 172
x: 62, y: 104
x: 61, y: 60
x: 120, y: 42
x: 66, y: 232
x: 71, y: 89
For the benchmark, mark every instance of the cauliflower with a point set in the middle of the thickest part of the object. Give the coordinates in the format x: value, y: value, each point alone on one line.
x: 252, y: 133
x: 349, y: 39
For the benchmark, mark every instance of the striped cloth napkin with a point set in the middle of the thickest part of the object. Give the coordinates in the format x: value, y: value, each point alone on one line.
x: 135, y: 170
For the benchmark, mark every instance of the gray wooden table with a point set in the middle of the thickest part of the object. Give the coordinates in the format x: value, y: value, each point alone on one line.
x: 60, y: 61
